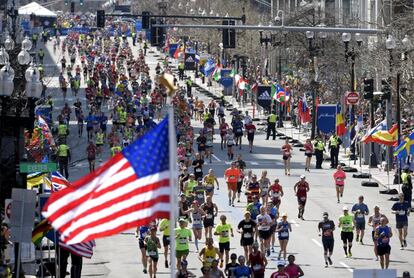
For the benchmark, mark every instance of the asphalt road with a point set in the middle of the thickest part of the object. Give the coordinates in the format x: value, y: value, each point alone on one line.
x: 118, y: 256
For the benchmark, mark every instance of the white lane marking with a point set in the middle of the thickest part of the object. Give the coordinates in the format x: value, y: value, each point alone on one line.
x: 254, y: 163
x: 346, y: 266
x: 317, y: 242
x: 215, y: 157
x: 295, y: 223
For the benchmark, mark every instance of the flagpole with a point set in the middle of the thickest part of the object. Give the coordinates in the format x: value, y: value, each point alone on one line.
x: 173, y: 182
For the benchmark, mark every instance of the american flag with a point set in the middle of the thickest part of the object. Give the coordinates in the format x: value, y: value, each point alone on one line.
x: 131, y: 189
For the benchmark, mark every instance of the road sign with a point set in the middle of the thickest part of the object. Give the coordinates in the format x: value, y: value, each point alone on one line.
x: 22, y: 214
x: 27, y: 167
x: 352, y: 98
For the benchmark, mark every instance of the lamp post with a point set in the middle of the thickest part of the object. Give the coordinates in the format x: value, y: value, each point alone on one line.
x: 314, y: 85
x: 346, y: 38
x: 390, y: 44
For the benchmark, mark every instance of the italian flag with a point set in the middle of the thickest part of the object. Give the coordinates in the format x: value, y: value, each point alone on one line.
x: 217, y: 73
x: 242, y: 84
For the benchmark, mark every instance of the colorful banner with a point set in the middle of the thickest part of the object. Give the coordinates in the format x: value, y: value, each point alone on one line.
x: 173, y: 48
x: 264, y: 98
x: 189, y: 61
x: 226, y: 78
x: 326, y: 118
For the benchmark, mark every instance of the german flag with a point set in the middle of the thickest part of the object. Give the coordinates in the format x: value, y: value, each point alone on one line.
x: 40, y: 231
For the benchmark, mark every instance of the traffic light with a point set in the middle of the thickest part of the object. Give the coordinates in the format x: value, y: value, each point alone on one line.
x: 368, y: 88
x: 66, y: 2
x: 72, y: 7
x: 146, y: 20
x: 154, y: 33
x: 386, y: 89
x: 229, y: 35
x: 100, y: 18
x: 81, y: 2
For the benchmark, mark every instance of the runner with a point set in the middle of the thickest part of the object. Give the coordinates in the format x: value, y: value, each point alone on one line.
x: 374, y: 221
x: 237, y: 125
x: 141, y: 233
x: 182, y: 237
x: 264, y: 184
x: 246, y: 181
x: 224, y: 230
x: 287, y: 155
x: 211, y: 211
x: 383, y: 234
x: 231, y: 266
x: 208, y: 254
x: 293, y: 269
x: 242, y: 271
x: 223, y: 132
x: 283, y: 228
x: 347, y: 225
x: 276, y: 193
x: 230, y: 143
x: 360, y: 210
x: 325, y: 229
x: 197, y: 215
x: 301, y: 189
x: 231, y: 176
x: 264, y: 222
x: 250, y: 130
x: 209, y: 181
x: 401, y: 209
x: 152, y: 244
x: 165, y: 229
x: 253, y: 189
x: 281, y: 271
x: 308, y: 153
x: 91, y: 154
x: 339, y: 177
x: 257, y: 261
x: 248, y: 229
x: 198, y: 164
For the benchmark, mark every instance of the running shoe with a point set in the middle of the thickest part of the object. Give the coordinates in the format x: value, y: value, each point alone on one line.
x: 349, y: 254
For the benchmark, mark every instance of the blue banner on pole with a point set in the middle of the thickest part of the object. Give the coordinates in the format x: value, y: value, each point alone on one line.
x: 326, y: 118
x: 226, y: 78
x: 173, y: 48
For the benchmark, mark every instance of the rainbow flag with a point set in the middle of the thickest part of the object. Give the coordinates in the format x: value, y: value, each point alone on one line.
x: 40, y: 231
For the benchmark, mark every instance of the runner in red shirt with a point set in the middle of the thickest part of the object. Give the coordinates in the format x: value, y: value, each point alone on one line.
x: 223, y: 132
x: 301, y: 190
x: 276, y: 193
x: 232, y: 175
x: 339, y: 177
x: 293, y: 269
x: 257, y: 262
x: 281, y: 272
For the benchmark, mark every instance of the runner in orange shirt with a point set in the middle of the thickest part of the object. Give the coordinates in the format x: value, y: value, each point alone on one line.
x: 231, y: 175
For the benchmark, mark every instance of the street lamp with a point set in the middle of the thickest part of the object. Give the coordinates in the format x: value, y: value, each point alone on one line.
x: 346, y: 38
x: 280, y: 18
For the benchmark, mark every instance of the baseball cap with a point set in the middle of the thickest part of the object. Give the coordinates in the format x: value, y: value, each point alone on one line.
x: 182, y: 220
x: 325, y: 214
x: 345, y: 208
x: 302, y: 176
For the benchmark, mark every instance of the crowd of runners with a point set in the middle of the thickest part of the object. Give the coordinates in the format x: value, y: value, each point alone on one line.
x: 121, y: 100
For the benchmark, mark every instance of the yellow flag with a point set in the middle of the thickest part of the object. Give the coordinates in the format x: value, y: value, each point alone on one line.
x: 35, y: 179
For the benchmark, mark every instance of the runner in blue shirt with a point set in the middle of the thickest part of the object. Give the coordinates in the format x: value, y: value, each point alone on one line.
x: 360, y: 210
x: 401, y: 209
x: 90, y: 120
x: 383, y: 233
x: 242, y: 271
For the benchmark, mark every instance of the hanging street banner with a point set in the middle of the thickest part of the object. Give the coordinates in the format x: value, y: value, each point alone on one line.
x: 326, y: 118
x: 264, y: 98
x: 226, y: 78
x: 189, y: 61
x: 173, y: 48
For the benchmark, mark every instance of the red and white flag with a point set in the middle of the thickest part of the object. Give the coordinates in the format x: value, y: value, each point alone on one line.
x: 129, y: 190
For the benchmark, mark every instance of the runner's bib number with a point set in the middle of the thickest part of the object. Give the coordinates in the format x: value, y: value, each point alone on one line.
x: 284, y: 234
x: 257, y: 267
x: 152, y: 253
x: 247, y: 235
x: 401, y: 212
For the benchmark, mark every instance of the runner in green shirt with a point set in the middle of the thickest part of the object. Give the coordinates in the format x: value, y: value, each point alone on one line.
x: 224, y: 231
x: 152, y: 244
x: 165, y: 229
x: 182, y: 237
x: 347, y: 224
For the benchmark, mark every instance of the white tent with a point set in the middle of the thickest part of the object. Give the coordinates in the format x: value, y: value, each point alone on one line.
x: 37, y: 10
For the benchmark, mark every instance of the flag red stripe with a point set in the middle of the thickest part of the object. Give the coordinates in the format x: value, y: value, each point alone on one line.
x: 130, y: 225
x: 129, y: 195
x: 135, y: 208
x: 98, y: 172
x: 85, y: 197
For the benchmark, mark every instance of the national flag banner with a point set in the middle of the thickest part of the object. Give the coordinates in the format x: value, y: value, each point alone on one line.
x: 304, y: 111
x: 217, y: 73
x: 209, y: 67
x: 381, y: 135
x: 178, y: 52
x: 405, y: 148
x: 273, y: 91
x: 83, y: 249
x: 40, y: 231
x: 280, y: 93
x: 59, y: 182
x: 287, y: 93
x: 129, y: 190
x: 242, y: 84
x: 45, y: 130
x: 340, y: 125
